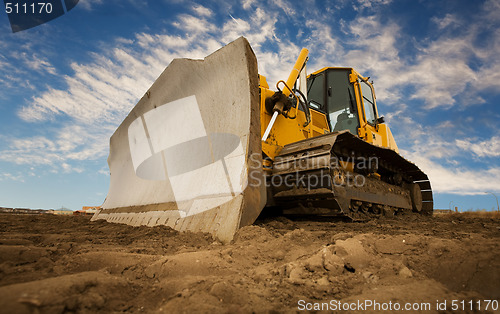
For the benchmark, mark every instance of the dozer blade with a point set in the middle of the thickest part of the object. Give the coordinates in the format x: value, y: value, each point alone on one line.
x: 182, y: 157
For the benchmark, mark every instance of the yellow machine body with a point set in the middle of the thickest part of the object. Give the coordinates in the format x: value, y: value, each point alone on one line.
x: 286, y: 131
x: 329, y: 151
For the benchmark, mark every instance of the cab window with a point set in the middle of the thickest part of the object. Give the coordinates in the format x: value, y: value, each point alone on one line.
x: 341, y: 101
x: 368, y: 101
x: 316, y: 92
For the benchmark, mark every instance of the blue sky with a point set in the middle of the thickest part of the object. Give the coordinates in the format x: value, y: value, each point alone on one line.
x: 66, y: 85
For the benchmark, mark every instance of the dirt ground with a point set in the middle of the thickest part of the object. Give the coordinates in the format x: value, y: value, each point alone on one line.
x: 54, y: 264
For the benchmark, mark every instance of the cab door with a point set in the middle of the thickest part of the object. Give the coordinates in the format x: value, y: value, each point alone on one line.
x: 369, y: 129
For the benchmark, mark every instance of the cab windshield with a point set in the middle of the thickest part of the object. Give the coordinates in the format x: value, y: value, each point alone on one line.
x: 331, y: 93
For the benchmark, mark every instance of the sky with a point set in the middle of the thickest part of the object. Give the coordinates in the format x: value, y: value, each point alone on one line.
x: 67, y: 84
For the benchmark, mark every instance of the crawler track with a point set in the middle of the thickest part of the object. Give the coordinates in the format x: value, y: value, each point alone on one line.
x: 338, y: 173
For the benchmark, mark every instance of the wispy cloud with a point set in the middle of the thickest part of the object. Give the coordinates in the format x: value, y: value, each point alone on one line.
x: 104, y: 171
x: 67, y: 168
x: 486, y: 148
x: 193, y: 25
x: 202, y: 11
x: 448, y: 20
x: 37, y: 63
x: 10, y: 177
x: 70, y: 143
x: 89, y: 4
x: 458, y: 180
x: 247, y: 4
x: 442, y: 68
x: 25, y: 62
x: 363, y: 4
x: 286, y: 6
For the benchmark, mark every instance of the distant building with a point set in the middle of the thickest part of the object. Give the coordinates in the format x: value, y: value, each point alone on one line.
x: 61, y: 211
x: 39, y: 211
x: 8, y: 210
x: 87, y: 210
x: 22, y: 211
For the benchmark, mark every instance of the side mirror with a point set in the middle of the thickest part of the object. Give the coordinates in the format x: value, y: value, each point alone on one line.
x: 380, y: 120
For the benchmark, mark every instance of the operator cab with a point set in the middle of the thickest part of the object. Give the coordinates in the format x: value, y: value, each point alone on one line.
x: 332, y: 91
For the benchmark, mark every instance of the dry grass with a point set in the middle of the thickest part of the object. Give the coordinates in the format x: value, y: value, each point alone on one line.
x: 481, y: 214
x: 472, y: 214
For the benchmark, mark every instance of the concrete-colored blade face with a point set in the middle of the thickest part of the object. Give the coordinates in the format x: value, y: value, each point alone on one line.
x: 188, y: 154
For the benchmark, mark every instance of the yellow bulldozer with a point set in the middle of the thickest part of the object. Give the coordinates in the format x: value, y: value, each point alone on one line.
x: 210, y: 146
